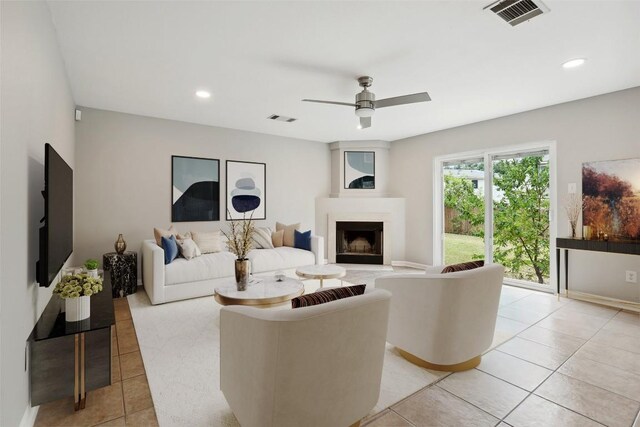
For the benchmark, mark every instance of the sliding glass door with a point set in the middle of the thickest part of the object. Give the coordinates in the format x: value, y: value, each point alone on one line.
x: 497, y: 206
x: 463, y: 184
x: 521, y: 208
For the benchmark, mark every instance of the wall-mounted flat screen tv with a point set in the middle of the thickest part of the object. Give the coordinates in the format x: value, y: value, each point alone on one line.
x: 56, y: 236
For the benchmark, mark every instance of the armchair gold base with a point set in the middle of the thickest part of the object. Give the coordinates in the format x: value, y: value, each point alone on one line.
x: 463, y: 366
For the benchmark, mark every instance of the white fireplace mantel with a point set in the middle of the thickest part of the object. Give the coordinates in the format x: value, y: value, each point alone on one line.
x: 388, y: 210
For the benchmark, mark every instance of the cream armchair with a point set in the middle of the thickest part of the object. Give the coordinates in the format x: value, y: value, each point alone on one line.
x: 444, y: 321
x: 313, y: 366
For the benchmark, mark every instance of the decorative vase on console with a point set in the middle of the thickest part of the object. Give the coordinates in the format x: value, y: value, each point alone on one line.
x: 76, y: 290
x: 573, y: 207
x: 239, y: 242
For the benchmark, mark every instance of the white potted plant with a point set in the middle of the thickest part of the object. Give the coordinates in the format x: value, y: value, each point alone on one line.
x: 91, y: 265
x: 76, y: 290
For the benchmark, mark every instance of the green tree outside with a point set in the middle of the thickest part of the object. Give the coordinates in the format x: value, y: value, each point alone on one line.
x: 521, y: 216
x: 459, y: 195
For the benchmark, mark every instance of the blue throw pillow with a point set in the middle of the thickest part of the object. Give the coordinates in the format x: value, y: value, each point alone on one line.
x: 302, y: 240
x: 170, y: 247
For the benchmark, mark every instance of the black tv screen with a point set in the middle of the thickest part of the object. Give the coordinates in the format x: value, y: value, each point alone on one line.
x: 56, y: 236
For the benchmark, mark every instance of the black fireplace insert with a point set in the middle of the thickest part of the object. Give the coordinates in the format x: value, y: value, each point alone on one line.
x: 359, y: 242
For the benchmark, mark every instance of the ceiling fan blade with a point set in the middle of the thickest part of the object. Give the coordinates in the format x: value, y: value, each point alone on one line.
x: 365, y: 122
x: 330, y: 102
x: 401, y: 100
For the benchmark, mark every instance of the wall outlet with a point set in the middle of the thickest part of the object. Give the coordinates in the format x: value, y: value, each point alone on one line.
x: 631, y: 276
x: 572, y: 188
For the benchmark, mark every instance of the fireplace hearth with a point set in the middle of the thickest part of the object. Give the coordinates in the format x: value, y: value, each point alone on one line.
x: 359, y: 242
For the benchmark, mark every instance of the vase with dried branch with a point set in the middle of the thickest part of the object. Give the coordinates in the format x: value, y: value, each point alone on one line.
x: 239, y: 242
x: 573, y: 208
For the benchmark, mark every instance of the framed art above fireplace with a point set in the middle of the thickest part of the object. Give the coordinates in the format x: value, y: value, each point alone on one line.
x: 360, y: 170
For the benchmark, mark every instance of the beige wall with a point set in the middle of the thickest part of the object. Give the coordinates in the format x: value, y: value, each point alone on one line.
x: 124, y: 175
x: 599, y: 128
x: 36, y: 107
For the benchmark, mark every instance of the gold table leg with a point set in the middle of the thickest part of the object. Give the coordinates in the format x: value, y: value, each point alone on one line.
x: 79, y: 393
x: 83, y: 395
x: 76, y: 379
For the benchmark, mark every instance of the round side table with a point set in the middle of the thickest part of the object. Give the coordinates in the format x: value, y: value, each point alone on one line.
x: 124, y: 272
x: 321, y: 272
x: 261, y: 292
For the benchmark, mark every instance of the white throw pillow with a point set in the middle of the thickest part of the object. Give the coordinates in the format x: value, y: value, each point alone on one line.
x: 188, y: 248
x: 262, y: 238
x: 209, y: 242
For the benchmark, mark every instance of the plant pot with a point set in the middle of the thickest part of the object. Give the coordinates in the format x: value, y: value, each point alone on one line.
x: 93, y: 273
x: 242, y: 274
x: 77, y: 308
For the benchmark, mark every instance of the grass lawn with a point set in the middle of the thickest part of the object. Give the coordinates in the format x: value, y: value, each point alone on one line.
x: 460, y: 248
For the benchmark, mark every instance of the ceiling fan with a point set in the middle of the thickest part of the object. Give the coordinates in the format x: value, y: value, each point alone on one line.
x: 366, y: 103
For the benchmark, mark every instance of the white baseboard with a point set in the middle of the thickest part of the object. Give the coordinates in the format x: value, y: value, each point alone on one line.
x: 409, y: 264
x: 29, y: 416
x: 611, y: 302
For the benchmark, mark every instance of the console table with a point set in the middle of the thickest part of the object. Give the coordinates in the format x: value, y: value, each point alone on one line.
x: 71, y: 358
x: 611, y: 246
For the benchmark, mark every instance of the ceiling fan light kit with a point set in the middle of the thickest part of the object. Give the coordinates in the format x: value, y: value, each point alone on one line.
x: 366, y: 103
x: 364, y: 111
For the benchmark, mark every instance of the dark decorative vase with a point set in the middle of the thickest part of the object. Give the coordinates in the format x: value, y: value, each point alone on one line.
x: 120, y: 245
x: 242, y: 274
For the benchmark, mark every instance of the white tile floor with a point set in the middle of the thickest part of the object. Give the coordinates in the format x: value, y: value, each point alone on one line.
x: 554, y: 362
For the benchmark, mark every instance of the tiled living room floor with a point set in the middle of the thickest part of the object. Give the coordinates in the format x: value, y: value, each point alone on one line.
x: 570, y: 364
x: 127, y: 402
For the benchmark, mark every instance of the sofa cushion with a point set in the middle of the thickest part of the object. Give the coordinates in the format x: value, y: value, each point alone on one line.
x: 188, y: 248
x: 159, y: 233
x: 302, y: 240
x: 277, y: 238
x: 288, y: 232
x: 170, y: 247
x: 208, y: 242
x: 205, y: 267
x: 327, y: 296
x: 463, y: 266
x: 279, y: 259
x: 261, y: 238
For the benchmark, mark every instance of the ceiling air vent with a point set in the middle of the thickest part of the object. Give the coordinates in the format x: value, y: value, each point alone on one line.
x: 281, y: 118
x: 517, y: 11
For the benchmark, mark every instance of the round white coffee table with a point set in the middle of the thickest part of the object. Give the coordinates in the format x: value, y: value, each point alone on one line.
x: 321, y: 272
x: 261, y: 291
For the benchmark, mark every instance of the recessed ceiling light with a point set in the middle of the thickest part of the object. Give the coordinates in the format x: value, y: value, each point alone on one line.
x: 359, y: 127
x: 203, y: 94
x: 574, y: 63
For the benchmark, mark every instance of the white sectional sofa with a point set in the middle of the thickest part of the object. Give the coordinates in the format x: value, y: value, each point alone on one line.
x: 197, y: 277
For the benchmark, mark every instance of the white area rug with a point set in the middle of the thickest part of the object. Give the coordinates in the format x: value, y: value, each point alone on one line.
x: 180, y: 345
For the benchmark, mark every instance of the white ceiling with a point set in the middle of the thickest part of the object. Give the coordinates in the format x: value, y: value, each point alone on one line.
x: 262, y: 58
